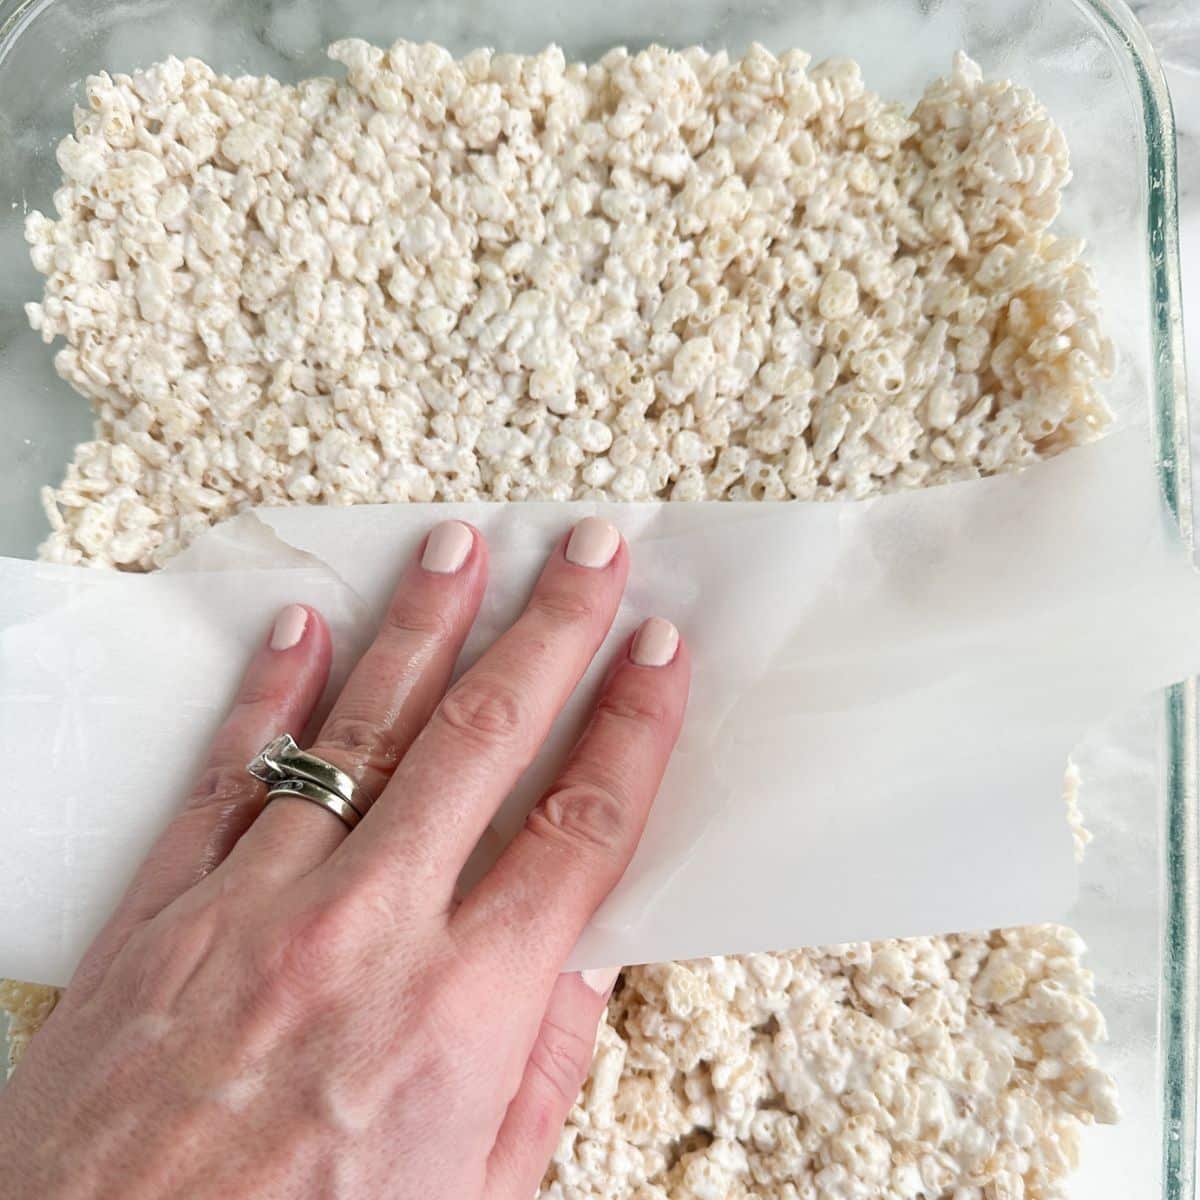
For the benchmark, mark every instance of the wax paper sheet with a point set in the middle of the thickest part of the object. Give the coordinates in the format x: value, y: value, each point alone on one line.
x: 885, y: 693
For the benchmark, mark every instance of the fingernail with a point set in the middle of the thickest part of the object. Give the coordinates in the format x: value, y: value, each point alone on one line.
x: 655, y: 643
x: 592, y: 543
x: 289, y: 627
x: 447, y: 548
x: 600, y: 979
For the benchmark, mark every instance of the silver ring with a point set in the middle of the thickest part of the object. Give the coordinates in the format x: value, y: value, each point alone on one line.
x: 282, y: 761
x: 289, y: 771
x: 305, y: 789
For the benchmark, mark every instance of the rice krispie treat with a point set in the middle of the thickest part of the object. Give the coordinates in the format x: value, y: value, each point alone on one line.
x: 665, y: 275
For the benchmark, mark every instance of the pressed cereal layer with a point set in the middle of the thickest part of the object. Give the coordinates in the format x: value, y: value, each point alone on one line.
x: 668, y: 275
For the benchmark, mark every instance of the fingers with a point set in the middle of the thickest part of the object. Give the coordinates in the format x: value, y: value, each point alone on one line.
x: 278, y: 692
x: 557, y: 1067
x: 387, y: 699
x: 529, y: 910
x: 489, y: 726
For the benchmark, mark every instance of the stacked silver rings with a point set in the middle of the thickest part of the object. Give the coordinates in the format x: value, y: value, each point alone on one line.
x: 289, y: 771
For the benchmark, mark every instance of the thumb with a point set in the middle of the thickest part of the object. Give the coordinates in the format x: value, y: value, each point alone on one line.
x: 557, y: 1066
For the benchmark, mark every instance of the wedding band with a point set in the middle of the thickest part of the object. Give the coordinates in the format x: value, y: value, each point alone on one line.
x: 304, y: 789
x: 281, y: 760
x: 289, y: 771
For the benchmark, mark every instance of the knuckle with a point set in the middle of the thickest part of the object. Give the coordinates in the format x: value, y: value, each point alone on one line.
x: 585, y: 816
x: 561, y: 1057
x: 257, y: 693
x: 361, y: 743
x: 485, y: 710
x: 637, y: 705
x: 160, y: 957
x: 326, y: 951
x: 564, y: 606
x: 431, y: 622
x: 195, y: 843
x: 222, y: 788
x: 309, y: 955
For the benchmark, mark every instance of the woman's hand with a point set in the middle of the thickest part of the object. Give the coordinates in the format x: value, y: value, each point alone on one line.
x: 280, y: 1008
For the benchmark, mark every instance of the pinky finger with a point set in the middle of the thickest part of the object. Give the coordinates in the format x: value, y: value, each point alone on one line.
x: 278, y: 692
x: 557, y: 1067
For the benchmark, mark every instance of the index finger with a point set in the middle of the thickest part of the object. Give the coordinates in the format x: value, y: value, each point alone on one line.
x: 527, y: 913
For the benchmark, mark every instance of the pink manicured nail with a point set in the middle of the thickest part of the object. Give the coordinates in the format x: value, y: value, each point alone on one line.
x: 655, y: 643
x: 600, y: 979
x: 289, y: 627
x: 593, y: 543
x: 447, y: 548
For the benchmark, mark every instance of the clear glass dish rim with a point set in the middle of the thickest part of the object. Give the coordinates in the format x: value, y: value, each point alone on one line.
x: 1180, y: 932
x: 1181, y: 915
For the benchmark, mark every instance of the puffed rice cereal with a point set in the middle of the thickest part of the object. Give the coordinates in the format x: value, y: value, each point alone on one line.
x: 664, y: 275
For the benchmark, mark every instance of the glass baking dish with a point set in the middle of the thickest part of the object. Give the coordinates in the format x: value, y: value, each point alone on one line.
x: 1088, y: 60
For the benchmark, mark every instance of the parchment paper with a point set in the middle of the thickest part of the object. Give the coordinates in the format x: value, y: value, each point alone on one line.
x: 885, y: 693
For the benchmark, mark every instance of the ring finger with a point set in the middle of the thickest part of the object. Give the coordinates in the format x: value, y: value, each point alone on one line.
x: 386, y: 701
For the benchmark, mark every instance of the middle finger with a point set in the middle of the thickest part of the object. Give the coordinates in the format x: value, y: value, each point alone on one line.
x: 387, y: 699
x: 489, y: 726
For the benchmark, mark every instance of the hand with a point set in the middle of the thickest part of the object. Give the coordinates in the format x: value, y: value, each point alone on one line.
x: 280, y: 1008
